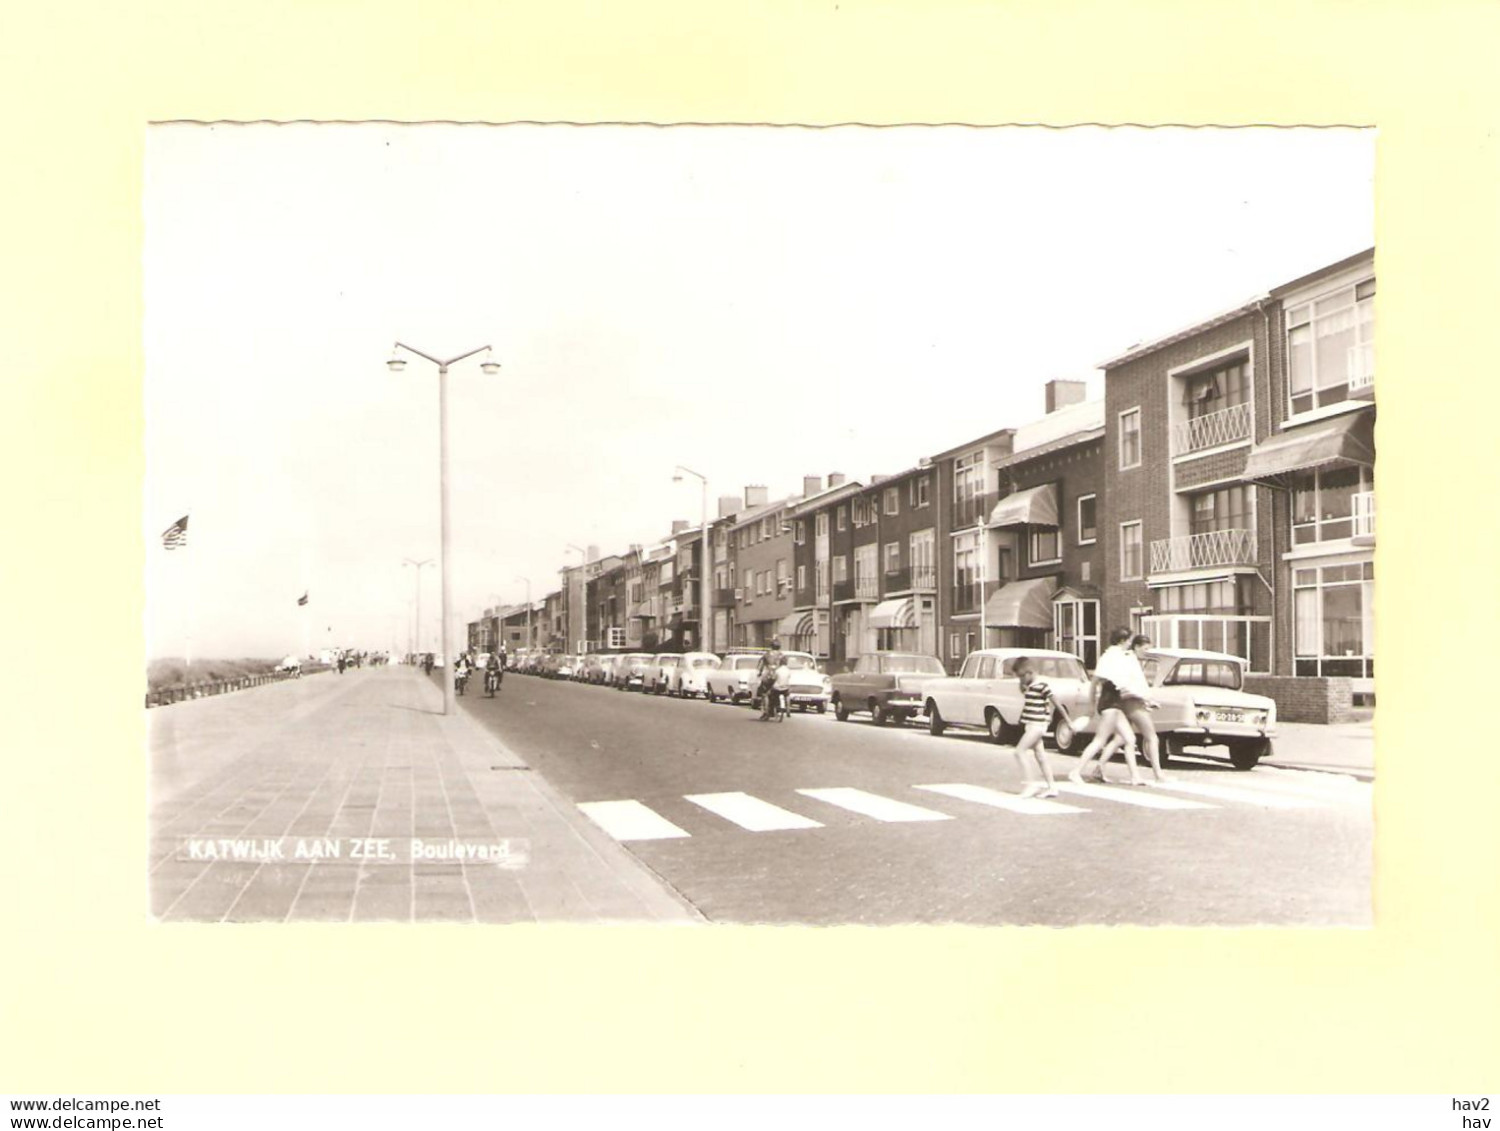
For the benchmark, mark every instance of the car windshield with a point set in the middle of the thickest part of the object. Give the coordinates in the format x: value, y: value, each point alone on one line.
x: 705, y: 662
x: 1205, y: 673
x: 670, y: 661
x: 638, y: 658
x: 1049, y: 667
x: 747, y: 662
x: 911, y: 665
x: 797, y: 663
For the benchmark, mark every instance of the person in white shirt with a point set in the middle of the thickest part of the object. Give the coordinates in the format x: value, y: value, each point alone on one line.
x: 1136, y: 702
x: 1113, y: 730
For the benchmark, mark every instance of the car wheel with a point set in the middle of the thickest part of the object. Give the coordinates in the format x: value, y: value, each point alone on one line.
x: 935, y: 724
x: 995, y: 724
x: 878, y: 714
x: 840, y: 711
x: 1064, y: 737
x: 822, y: 708
x: 1246, y: 753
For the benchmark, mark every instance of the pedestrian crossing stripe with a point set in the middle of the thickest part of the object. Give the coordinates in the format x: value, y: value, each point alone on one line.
x: 751, y: 812
x: 1129, y: 795
x: 1031, y: 806
x: 873, y: 805
x: 1268, y: 799
x: 630, y: 820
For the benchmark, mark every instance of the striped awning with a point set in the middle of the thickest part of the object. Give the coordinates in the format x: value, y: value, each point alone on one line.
x: 797, y: 624
x: 1348, y: 439
x: 1036, y: 506
x: 898, y: 613
x: 1021, y: 604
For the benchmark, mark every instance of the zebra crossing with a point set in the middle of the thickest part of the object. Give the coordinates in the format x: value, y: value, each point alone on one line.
x: 632, y: 820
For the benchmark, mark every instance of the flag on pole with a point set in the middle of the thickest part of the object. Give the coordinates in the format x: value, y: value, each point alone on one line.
x: 302, y: 600
x: 175, y: 535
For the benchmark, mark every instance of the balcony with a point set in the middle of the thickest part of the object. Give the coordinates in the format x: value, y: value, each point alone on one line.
x: 1364, y: 516
x: 1214, y: 549
x: 843, y: 590
x: 1223, y: 427
x: 972, y: 511
x: 922, y: 578
x: 866, y: 589
x: 968, y: 598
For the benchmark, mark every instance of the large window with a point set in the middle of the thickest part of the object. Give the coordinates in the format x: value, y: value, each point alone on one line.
x: 1227, y: 508
x: 822, y: 524
x: 840, y: 569
x: 917, y: 491
x: 1217, y: 390
x: 1334, y: 613
x: 843, y: 519
x: 968, y: 489
x: 923, y: 549
x: 1230, y: 596
x: 892, y: 557
x: 865, y: 560
x: 1330, y: 345
x: 1088, y: 530
x: 1045, y: 546
x: 1075, y: 628
x: 892, y: 501
x: 1332, y: 504
x: 1130, y: 438
x: 966, y: 573
x: 1130, y: 551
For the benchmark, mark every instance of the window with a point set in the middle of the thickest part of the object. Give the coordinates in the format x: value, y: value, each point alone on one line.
x: 822, y: 524
x: 1227, y: 508
x: 1205, y: 673
x: 892, y: 557
x: 783, y: 574
x: 1075, y: 628
x: 840, y: 569
x: 968, y: 489
x: 966, y: 573
x: 1231, y: 596
x: 1216, y: 390
x: 1331, y: 504
x: 1088, y: 532
x: 801, y: 577
x: 922, y: 487
x: 1045, y: 546
x: 1330, y: 347
x: 1130, y: 438
x: 801, y: 534
x: 843, y: 522
x: 892, y: 501
x: 1130, y: 551
x: 1334, y: 620
x: 922, y: 549
x: 987, y: 667
x: 971, y: 665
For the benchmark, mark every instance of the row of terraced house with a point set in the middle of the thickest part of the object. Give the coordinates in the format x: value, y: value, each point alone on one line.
x: 1220, y: 495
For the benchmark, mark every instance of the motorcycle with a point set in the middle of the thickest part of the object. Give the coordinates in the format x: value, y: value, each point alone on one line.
x: 460, y: 678
x: 491, y: 682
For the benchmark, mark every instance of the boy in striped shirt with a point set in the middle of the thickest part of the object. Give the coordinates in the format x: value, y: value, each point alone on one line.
x: 1036, y: 713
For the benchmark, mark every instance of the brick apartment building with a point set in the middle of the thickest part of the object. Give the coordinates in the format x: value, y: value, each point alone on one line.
x: 895, y: 555
x: 760, y: 571
x: 824, y: 597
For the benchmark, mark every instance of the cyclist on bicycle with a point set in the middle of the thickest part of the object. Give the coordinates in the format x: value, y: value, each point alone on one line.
x: 766, y: 678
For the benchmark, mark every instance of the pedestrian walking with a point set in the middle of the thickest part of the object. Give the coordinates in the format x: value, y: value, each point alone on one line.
x: 1040, y: 705
x: 1113, y: 730
x: 1137, y: 704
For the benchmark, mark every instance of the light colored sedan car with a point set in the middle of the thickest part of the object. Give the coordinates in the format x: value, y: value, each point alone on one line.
x: 691, y: 676
x: 663, y: 668
x: 630, y: 670
x: 808, y: 688
x: 734, y: 678
x: 987, y: 692
x: 1200, y: 702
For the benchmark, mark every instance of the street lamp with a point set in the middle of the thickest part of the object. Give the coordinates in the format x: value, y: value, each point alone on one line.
x: 705, y: 637
x: 529, y: 641
x: 396, y: 364
x: 416, y: 577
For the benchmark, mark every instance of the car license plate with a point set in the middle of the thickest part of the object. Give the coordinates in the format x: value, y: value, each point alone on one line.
x: 1229, y: 716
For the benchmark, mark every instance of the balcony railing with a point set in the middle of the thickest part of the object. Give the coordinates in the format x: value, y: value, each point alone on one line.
x: 922, y: 577
x: 843, y: 590
x: 1210, y: 550
x: 972, y: 511
x: 1222, y: 427
x: 1362, y: 367
x: 867, y: 588
x: 1364, y: 514
x: 968, y: 598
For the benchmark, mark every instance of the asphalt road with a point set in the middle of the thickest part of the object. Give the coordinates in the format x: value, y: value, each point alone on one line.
x: 1215, y: 847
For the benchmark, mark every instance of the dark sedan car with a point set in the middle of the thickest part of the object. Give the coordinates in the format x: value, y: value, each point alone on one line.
x: 886, y: 684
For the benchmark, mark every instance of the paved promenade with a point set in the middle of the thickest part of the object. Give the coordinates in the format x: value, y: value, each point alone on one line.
x: 336, y: 759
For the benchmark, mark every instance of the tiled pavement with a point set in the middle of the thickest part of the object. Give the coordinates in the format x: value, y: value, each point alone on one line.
x: 368, y: 754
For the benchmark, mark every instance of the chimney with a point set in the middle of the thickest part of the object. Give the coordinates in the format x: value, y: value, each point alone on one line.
x: 1060, y: 394
x: 811, y: 485
x: 678, y: 526
x: 835, y: 479
x: 728, y: 505
x: 755, y: 495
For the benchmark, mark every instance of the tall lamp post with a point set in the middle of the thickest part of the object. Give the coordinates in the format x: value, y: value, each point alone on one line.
x: 529, y: 641
x: 705, y: 636
x: 490, y: 366
x: 416, y: 577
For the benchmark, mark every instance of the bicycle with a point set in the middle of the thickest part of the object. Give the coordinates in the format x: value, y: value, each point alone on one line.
x: 491, y: 682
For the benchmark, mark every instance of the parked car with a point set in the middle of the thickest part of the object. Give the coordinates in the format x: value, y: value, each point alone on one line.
x: 594, y: 668
x: 631, y: 669
x: 886, y: 684
x: 691, y: 676
x: 562, y: 665
x: 809, y: 688
x: 659, y: 674
x: 734, y: 678
x: 1200, y: 703
x: 987, y: 692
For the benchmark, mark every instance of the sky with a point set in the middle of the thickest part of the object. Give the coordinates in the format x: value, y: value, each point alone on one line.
x: 756, y: 303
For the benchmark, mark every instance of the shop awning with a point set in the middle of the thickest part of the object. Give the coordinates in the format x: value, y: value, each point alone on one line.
x: 900, y: 612
x: 1036, y: 506
x: 1345, y: 439
x: 1021, y: 604
x: 797, y: 624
